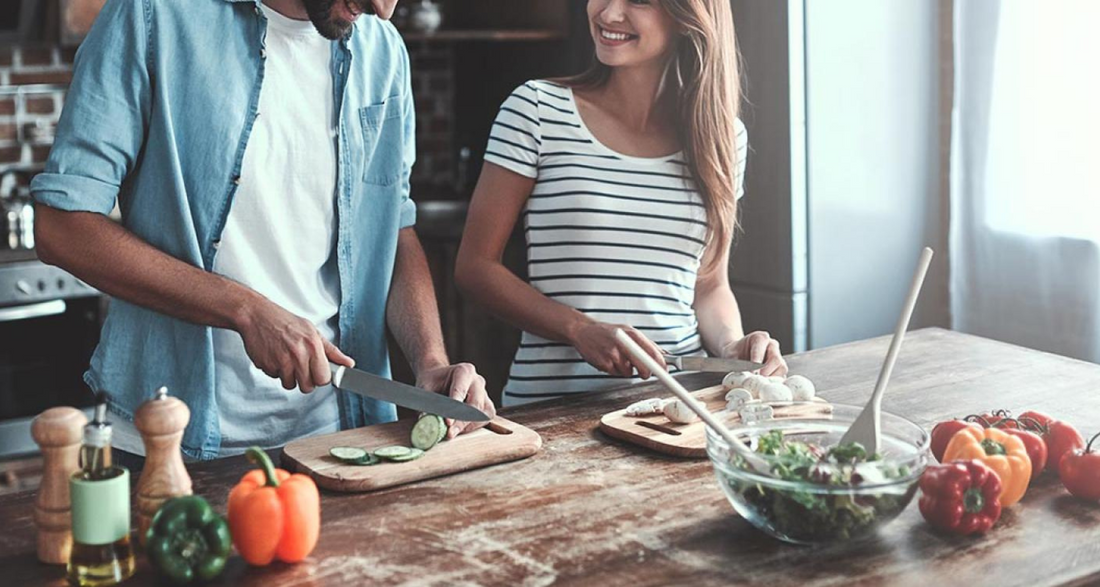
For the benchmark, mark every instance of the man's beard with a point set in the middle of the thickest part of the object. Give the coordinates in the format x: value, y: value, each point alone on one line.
x: 331, y: 26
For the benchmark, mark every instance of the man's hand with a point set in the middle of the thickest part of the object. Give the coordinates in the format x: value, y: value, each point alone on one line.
x: 461, y: 382
x: 287, y: 347
x: 758, y: 347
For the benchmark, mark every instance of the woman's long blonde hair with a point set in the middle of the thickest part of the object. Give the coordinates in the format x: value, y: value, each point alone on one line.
x: 705, y: 69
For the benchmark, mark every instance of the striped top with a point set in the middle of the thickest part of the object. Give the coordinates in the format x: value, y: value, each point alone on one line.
x: 619, y: 238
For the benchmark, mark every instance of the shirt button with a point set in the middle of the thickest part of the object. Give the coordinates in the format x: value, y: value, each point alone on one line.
x: 263, y: 53
x: 236, y: 180
x: 256, y: 9
x: 217, y: 244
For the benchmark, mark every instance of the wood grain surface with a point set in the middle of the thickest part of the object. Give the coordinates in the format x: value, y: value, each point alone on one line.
x: 499, y: 442
x: 658, y: 433
x: 590, y: 510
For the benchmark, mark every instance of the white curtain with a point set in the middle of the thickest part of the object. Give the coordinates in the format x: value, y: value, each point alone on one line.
x: 1025, y: 174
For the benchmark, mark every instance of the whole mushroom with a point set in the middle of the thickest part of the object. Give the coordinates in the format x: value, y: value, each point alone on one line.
x: 754, y: 383
x: 775, y: 392
x: 802, y: 389
x: 735, y: 379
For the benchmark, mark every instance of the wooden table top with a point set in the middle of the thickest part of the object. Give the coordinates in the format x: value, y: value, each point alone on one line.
x: 591, y: 510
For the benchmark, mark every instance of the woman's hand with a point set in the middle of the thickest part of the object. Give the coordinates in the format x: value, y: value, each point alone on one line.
x: 758, y: 347
x: 596, y: 342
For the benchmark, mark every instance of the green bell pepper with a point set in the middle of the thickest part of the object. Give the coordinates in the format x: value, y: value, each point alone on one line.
x: 188, y: 539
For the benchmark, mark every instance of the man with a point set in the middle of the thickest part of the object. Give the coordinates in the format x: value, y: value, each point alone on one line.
x: 260, y: 156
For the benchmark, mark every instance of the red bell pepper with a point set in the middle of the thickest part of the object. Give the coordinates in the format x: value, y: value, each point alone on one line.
x: 961, y: 497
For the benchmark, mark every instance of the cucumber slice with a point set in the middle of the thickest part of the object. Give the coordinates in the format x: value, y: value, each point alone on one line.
x: 412, y: 455
x: 366, y: 461
x: 391, y: 453
x: 348, y: 453
x: 427, y: 432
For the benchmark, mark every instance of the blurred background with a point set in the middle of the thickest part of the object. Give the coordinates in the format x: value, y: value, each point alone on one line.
x: 875, y: 128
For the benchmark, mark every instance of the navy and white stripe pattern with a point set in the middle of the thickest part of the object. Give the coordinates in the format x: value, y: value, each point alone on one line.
x: 619, y: 238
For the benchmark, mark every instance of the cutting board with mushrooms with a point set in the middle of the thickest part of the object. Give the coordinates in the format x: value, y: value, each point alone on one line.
x: 670, y: 427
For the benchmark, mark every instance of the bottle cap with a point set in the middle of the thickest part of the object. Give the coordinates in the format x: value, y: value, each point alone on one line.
x: 98, y: 432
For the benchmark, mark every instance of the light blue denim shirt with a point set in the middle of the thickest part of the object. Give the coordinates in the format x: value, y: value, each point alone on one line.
x: 163, y: 98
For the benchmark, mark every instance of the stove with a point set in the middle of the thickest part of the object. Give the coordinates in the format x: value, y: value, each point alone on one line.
x: 49, y: 327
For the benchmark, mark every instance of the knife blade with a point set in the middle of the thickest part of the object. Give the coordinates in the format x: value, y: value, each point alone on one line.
x: 407, y: 396
x: 711, y: 364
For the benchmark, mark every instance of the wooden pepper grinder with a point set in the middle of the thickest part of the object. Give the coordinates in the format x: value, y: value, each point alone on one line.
x: 160, y: 421
x: 58, y: 432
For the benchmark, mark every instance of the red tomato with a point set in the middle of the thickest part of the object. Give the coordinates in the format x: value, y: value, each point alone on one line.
x: 942, y: 433
x: 1036, y: 449
x: 1030, y: 417
x: 1080, y: 472
x: 1061, y: 438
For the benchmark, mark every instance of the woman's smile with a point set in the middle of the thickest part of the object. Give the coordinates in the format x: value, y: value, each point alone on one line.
x: 614, y: 38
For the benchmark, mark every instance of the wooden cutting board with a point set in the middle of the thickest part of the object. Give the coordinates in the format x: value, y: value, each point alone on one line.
x: 658, y: 433
x: 499, y: 442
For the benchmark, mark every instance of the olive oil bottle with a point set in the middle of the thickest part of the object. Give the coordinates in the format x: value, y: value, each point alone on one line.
x: 100, y: 492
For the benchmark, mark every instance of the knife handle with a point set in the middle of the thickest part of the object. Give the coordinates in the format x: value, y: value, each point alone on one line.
x: 337, y: 374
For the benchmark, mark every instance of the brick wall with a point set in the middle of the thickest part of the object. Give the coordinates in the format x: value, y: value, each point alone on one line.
x: 28, y: 103
x: 32, y: 81
x: 433, y: 87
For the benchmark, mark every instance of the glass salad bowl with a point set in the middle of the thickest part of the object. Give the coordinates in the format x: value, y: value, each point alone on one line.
x: 820, y: 495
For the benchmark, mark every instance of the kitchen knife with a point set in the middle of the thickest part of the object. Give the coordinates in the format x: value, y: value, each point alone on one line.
x: 711, y: 364
x: 407, y: 396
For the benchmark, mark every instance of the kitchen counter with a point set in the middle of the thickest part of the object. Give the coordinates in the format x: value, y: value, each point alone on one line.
x: 592, y: 510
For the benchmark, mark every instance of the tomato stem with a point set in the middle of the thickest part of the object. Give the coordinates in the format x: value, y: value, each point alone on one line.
x: 1088, y: 448
x: 1033, y: 424
x: 979, y: 419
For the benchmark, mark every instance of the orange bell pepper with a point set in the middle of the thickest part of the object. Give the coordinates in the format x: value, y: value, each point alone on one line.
x: 1003, y: 452
x: 273, y: 514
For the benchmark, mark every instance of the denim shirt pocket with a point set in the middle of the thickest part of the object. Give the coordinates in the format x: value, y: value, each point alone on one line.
x: 383, y: 142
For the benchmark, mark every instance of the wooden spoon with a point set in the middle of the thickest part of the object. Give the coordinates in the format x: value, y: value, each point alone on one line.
x: 867, y: 427
x: 758, y: 464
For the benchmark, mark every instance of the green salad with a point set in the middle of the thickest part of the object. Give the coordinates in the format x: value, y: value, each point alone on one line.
x: 810, y: 514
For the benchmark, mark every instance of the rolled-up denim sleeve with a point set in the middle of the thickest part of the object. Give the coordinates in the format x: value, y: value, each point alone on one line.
x: 102, y: 125
x: 408, y: 114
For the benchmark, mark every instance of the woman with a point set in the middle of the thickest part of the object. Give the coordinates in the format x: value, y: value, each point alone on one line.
x: 627, y: 178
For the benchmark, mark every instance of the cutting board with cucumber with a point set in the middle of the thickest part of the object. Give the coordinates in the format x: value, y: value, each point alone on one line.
x: 657, y: 432
x: 386, y: 455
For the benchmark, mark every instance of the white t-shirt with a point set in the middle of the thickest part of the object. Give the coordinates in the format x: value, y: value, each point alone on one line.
x: 279, y: 239
x: 619, y: 238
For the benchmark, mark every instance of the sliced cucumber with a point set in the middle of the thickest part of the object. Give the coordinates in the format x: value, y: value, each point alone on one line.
x: 428, y: 431
x: 412, y: 455
x: 348, y: 453
x: 366, y: 461
x: 392, y: 453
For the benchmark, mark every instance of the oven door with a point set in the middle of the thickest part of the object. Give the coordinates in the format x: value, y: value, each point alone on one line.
x: 45, y: 347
